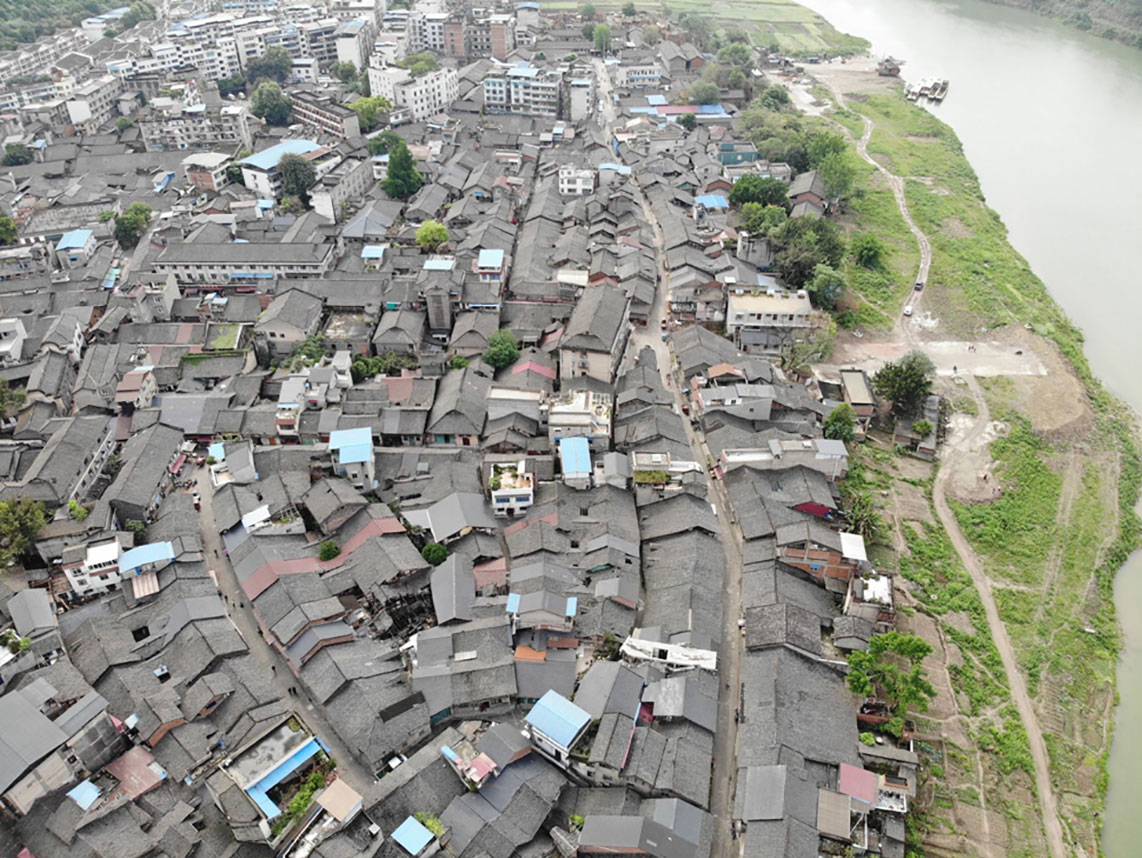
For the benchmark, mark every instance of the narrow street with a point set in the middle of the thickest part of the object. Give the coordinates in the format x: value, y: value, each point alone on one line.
x: 729, y: 653
x: 241, y: 613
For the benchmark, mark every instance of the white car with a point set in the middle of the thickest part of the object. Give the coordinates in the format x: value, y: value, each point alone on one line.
x: 908, y: 310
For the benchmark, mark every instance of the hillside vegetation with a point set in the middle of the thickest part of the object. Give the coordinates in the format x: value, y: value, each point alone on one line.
x: 1118, y: 20
x: 24, y: 21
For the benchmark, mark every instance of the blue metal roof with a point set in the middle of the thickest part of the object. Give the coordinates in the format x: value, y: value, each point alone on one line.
x: 656, y: 99
x: 712, y: 201
x: 621, y: 169
x: 490, y: 259
x: 77, y: 238
x: 556, y: 716
x: 374, y: 251
x: 523, y: 72
x: 279, y: 773
x: 350, y: 437
x: 84, y: 794
x: 439, y: 263
x: 267, y: 159
x: 154, y: 552
x: 575, y: 456
x: 412, y: 836
x: 355, y: 453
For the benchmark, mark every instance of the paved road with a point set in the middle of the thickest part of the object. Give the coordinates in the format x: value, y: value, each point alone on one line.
x: 998, y: 630
x: 354, y: 774
x: 729, y: 653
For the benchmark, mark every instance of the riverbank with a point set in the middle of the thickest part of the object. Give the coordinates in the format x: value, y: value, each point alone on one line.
x: 1102, y: 18
x: 1045, y: 499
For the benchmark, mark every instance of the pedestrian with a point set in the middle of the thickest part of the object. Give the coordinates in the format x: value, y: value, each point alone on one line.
x: 954, y: 369
x: 273, y: 668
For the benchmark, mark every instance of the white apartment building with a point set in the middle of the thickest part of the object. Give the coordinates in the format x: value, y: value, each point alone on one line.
x: 349, y: 180
x: 354, y: 43
x: 426, y: 31
x: 512, y: 488
x: 580, y: 413
x: 325, y: 114
x: 93, y: 569
x: 179, y: 126
x: 576, y: 181
x: 638, y: 75
x: 766, y: 321
x: 93, y: 104
x: 581, y: 97
x: 423, y: 96
x: 523, y: 90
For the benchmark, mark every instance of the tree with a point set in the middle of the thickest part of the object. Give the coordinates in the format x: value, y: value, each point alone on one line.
x: 863, y: 518
x: 130, y: 226
x: 458, y: 362
x: 431, y: 235
x: 826, y: 287
x: 629, y: 10
x: 77, y: 510
x: 383, y: 142
x: 503, y: 349
x: 123, y: 123
x: 840, y: 424
x: 758, y: 219
x: 602, y: 38
x: 234, y: 174
x: 923, y: 428
x: 588, y: 12
x: 270, y: 103
x: 823, y: 144
x: 8, y: 230
x: 369, y: 110
x: 16, y: 155
x: 419, y: 64
x: 736, y: 54
x: 868, y: 250
x: 906, y: 382
x: 275, y: 64
x: 344, y: 72
x: 10, y: 400
x: 434, y: 553
x: 698, y: 29
x: 231, y: 85
x: 801, y: 244
x: 688, y: 121
x: 775, y: 97
x: 291, y: 204
x: 135, y: 526
x: 766, y: 190
x: 328, y: 550
x: 892, y: 669
x: 588, y: 32
x: 20, y: 521
x: 402, y: 180
x: 839, y: 173
x: 703, y: 92
x: 298, y: 176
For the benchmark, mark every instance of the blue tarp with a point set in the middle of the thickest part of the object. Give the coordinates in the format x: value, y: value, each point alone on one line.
x: 575, y: 456
x: 155, y: 552
x: 84, y: 794
x: 412, y: 836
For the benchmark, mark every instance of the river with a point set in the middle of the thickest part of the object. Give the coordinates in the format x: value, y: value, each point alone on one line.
x: 1051, y: 120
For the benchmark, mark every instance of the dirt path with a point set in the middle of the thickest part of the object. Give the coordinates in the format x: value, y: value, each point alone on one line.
x: 982, y: 583
x: 1072, y: 482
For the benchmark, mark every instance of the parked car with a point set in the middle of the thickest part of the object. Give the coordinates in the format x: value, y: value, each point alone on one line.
x: 908, y: 310
x: 919, y: 285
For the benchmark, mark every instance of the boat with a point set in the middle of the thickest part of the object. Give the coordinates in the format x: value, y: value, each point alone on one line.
x: 939, y: 90
x: 912, y: 93
x: 926, y: 87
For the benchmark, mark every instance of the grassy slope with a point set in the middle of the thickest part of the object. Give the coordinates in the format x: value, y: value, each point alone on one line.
x: 1118, y: 20
x: 1066, y: 634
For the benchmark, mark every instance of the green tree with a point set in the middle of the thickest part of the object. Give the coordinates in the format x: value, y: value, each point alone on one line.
x: 826, y: 287
x: 402, y: 180
x: 698, y: 30
x: 270, y: 103
x: 123, y: 123
x: 588, y: 32
x: 344, y: 72
x: 906, y: 382
x: 234, y: 174
x: 688, y: 121
x: 602, y: 36
x: 135, y: 526
x: 419, y: 64
x: 863, y: 517
x: 132, y: 224
x: 801, y: 244
x: 10, y: 400
x: 458, y: 362
x: 588, y: 11
x: 291, y: 204
x: 20, y: 521
x: 328, y: 550
x: 823, y: 144
x: 766, y: 190
x: 383, y: 142
x: 503, y: 349
x: 369, y: 111
x: 629, y: 10
x: 16, y: 155
x: 703, y: 92
x: 737, y: 54
x: 775, y: 97
x: 77, y: 511
x: 298, y: 176
x: 868, y: 250
x: 231, y: 85
x: 758, y: 219
x: 431, y: 234
x: 923, y: 428
x: 434, y: 553
x: 839, y: 174
x: 892, y: 669
x: 840, y: 425
x: 9, y: 232
x: 275, y: 64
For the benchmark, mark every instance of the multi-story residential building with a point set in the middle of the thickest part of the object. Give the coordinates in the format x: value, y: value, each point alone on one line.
x: 36, y: 58
x: 638, y: 73
x: 390, y: 48
x: 238, y: 263
x: 576, y: 181
x: 324, y: 114
x: 491, y: 266
x: 511, y: 486
x: 177, y: 126
x: 93, y: 569
x: 206, y: 170
x: 596, y: 334
x: 319, y: 40
x: 581, y: 97
x: 305, y: 70
x: 767, y: 321
x: 524, y: 90
x: 93, y: 104
x: 350, y: 180
x: 260, y: 170
x: 580, y: 413
x: 426, y: 31
x: 12, y: 337
x: 526, y: 22
x: 354, y: 43
x: 422, y: 96
x: 455, y: 38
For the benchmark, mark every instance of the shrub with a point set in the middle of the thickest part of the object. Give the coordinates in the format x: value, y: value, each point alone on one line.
x: 329, y: 549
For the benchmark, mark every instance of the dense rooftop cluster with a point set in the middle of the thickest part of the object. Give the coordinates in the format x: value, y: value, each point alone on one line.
x: 359, y: 542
